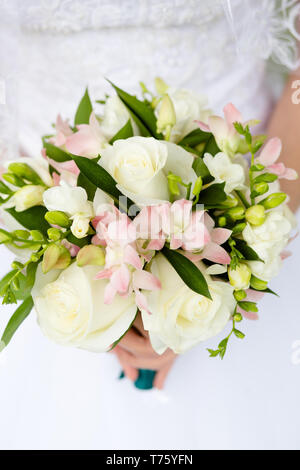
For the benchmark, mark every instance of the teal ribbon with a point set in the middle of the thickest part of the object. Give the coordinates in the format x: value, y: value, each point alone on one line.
x: 145, y: 379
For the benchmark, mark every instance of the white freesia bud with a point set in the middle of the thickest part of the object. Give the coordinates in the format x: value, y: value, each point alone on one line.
x: 80, y: 226
x: 166, y: 116
x: 240, y: 277
x: 28, y: 196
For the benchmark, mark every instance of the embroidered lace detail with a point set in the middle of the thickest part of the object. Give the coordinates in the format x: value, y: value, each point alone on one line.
x: 51, y: 49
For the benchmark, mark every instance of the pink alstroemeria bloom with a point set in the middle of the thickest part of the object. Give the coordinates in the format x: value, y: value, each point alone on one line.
x: 67, y: 171
x: 123, y: 263
x: 152, y: 224
x: 269, y: 156
x: 212, y: 250
x: 88, y: 141
x: 223, y: 129
x: 63, y: 131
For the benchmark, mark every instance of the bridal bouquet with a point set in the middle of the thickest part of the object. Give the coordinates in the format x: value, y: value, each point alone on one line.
x: 151, y: 205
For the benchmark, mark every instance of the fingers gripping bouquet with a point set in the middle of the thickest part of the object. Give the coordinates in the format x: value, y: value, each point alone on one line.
x: 152, y: 205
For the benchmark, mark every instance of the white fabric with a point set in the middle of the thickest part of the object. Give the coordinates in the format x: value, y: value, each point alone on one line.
x: 52, y: 397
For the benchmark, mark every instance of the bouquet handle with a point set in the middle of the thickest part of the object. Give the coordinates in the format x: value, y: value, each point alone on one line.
x: 145, y: 379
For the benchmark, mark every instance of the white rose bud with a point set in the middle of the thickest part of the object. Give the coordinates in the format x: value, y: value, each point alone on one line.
x: 240, y: 277
x: 28, y: 196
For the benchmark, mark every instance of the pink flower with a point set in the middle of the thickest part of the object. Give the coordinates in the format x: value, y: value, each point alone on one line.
x: 63, y: 131
x: 269, y: 156
x: 66, y: 171
x: 88, y: 141
x: 123, y: 262
x: 223, y: 129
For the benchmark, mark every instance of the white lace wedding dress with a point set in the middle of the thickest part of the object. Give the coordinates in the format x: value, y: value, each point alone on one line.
x: 52, y: 397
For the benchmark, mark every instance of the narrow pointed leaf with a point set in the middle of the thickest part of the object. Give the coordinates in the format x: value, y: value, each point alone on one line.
x: 15, y: 321
x: 55, y: 153
x: 32, y: 219
x: 123, y: 133
x: 188, y: 272
x: 213, y: 195
x: 84, y: 110
x: 196, y: 137
x: 141, y: 110
x: 99, y: 177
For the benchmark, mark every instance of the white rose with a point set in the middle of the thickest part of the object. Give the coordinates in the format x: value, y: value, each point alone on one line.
x: 223, y: 170
x: 189, y: 107
x: 115, y: 117
x: 26, y: 197
x: 68, y: 199
x: 268, y: 240
x: 140, y: 166
x: 71, y: 311
x: 179, y: 317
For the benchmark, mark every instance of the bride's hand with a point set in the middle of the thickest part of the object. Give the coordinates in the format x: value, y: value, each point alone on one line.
x: 135, y: 352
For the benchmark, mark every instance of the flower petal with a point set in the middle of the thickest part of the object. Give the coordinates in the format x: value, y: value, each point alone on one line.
x: 271, y: 151
x: 216, y: 253
x: 145, y: 280
x: 232, y: 114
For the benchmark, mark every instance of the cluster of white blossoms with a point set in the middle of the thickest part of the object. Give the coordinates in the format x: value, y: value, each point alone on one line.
x: 209, y: 229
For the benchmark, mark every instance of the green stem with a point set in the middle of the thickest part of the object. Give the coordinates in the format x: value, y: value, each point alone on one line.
x: 243, y: 198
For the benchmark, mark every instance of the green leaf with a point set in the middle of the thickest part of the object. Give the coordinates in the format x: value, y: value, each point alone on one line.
x: 213, y: 353
x: 5, y: 189
x: 5, y: 281
x: 211, y: 146
x: 99, y: 177
x: 84, y: 110
x: 85, y: 183
x: 248, y: 253
x: 238, y: 333
x: 123, y: 133
x: 266, y: 291
x: 201, y: 170
x: 55, y: 153
x: 248, y: 306
x: 15, y: 321
x: 196, y: 137
x: 265, y: 178
x: 223, y: 344
x: 213, y: 195
x: 142, y: 113
x: 78, y: 241
x: 26, y: 282
x: 32, y: 219
x: 188, y: 272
